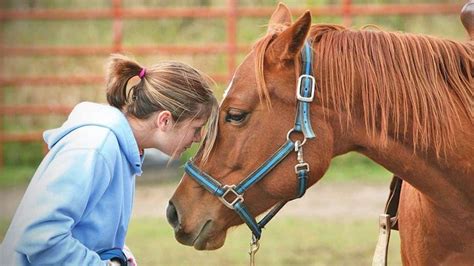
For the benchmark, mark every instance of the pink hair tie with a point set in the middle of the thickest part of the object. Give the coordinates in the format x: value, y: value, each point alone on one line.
x: 142, y: 73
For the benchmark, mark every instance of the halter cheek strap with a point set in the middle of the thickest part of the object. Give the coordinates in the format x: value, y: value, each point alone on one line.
x: 232, y: 195
x: 305, y: 94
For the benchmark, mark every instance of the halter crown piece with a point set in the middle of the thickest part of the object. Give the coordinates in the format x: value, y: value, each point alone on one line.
x: 142, y: 73
x: 304, y: 96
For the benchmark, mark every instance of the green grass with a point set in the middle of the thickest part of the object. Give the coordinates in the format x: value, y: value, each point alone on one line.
x: 3, y: 228
x: 22, y: 154
x: 285, y: 241
x: 22, y: 158
x: 349, y: 167
x: 15, y: 176
x: 59, y: 32
x: 442, y: 26
x: 178, y: 31
x: 356, y: 167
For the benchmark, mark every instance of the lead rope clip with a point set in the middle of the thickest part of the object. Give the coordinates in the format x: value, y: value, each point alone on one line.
x: 301, y: 165
x: 254, y: 246
x: 299, y: 151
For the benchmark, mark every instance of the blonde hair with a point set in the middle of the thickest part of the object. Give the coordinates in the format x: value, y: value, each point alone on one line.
x: 169, y: 85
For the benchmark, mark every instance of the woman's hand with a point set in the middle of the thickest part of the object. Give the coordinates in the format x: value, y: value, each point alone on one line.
x: 130, y: 258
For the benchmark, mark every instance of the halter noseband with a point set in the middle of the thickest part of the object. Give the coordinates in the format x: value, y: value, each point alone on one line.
x: 304, y: 96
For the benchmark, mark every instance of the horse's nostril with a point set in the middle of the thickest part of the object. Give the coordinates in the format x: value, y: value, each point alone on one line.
x: 172, y: 215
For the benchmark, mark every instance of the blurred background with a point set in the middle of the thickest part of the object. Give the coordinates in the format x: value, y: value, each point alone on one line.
x: 52, y: 57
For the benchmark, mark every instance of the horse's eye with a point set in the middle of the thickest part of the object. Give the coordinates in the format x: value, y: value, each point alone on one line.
x: 235, y: 116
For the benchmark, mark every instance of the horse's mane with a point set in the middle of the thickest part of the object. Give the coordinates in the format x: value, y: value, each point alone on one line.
x: 406, y: 81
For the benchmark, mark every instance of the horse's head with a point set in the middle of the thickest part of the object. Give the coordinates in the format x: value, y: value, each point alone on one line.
x: 254, y: 118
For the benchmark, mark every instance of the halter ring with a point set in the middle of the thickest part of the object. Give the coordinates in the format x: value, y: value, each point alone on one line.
x: 288, y: 137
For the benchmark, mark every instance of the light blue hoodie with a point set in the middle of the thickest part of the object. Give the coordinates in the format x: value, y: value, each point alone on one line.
x: 80, y: 199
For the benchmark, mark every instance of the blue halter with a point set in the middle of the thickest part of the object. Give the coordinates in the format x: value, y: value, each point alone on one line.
x: 304, y: 95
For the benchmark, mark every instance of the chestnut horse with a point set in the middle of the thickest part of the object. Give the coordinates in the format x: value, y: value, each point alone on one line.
x: 403, y: 100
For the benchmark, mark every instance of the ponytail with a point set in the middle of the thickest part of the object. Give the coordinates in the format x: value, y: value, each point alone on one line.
x: 169, y: 85
x: 120, y: 69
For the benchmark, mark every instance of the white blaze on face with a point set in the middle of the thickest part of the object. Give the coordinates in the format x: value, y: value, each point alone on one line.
x: 228, y: 88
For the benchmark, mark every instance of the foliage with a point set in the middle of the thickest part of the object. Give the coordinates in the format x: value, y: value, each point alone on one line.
x: 22, y: 154
x: 15, y: 176
x: 170, y: 31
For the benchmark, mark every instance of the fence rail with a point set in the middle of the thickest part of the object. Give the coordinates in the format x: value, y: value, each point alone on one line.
x: 213, y: 12
x: 117, y: 13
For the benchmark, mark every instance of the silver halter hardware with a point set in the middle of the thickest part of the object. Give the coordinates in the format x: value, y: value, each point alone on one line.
x: 238, y: 197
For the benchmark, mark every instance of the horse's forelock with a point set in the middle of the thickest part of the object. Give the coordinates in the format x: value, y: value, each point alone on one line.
x: 260, y: 47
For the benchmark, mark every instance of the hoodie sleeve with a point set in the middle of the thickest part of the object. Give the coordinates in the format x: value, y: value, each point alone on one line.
x: 72, y: 181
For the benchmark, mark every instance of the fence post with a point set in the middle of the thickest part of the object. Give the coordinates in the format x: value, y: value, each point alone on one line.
x: 2, y: 102
x: 231, y: 36
x: 2, y: 126
x: 117, y: 25
x: 347, y: 13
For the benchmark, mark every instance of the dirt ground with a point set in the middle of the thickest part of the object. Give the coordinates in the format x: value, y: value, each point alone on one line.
x: 328, y: 201
x: 325, y: 200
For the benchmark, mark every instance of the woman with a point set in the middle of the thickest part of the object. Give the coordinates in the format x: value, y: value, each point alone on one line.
x: 77, y: 207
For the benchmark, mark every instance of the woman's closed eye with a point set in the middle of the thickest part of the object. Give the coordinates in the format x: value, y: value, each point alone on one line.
x: 198, y: 131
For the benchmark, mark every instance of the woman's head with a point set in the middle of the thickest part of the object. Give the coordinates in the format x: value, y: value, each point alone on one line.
x: 171, y: 97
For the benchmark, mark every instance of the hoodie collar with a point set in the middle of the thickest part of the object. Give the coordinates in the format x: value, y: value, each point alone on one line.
x: 87, y: 114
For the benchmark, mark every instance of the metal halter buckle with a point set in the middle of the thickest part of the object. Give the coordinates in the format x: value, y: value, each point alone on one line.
x: 302, y: 166
x: 298, y: 88
x: 238, y: 197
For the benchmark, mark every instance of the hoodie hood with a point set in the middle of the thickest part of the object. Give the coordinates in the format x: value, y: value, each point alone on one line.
x: 93, y: 114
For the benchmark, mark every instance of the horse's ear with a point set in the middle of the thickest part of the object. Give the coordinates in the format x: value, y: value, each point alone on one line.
x: 281, y: 16
x: 289, y: 43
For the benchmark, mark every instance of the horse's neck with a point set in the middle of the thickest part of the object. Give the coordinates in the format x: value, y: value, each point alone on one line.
x: 436, y: 178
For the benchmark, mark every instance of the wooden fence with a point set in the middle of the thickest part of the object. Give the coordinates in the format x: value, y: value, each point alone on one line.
x: 231, y: 13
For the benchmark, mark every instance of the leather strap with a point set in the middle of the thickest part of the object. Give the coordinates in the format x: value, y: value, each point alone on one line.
x: 219, y: 190
x: 305, y: 94
x: 232, y: 195
x: 381, y: 249
x: 391, y: 207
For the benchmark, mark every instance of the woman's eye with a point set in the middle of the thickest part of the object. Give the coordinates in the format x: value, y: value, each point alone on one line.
x: 236, y: 117
x: 198, y: 131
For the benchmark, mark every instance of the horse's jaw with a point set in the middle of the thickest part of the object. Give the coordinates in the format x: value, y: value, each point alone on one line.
x: 207, y: 237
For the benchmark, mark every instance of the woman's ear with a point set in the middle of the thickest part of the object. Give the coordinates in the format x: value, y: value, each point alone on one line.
x: 164, y: 120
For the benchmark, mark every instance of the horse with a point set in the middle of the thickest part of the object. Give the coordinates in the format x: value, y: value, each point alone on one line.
x: 403, y: 100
